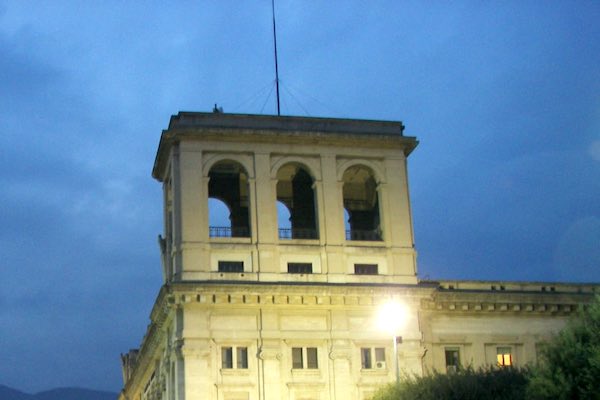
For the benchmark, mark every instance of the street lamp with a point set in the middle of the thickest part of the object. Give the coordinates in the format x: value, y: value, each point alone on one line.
x: 391, y: 318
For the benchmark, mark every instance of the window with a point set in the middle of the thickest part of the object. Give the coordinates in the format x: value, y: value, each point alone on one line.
x: 365, y: 269
x: 361, y: 204
x: 227, y: 357
x: 452, y: 359
x: 241, y: 357
x: 231, y: 266
x: 372, y: 358
x: 504, y: 356
x: 300, y: 268
x: 228, y: 205
x: 296, y: 193
x: 304, y: 358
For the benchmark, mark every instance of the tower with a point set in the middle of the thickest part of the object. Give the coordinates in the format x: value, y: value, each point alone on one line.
x: 258, y: 304
x: 269, y: 306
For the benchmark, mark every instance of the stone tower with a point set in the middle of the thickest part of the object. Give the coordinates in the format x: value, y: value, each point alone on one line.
x: 268, y: 306
x: 283, y: 237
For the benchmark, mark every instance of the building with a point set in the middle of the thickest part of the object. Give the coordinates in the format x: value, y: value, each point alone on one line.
x: 266, y: 308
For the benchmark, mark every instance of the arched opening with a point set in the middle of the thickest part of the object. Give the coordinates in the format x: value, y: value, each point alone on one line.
x: 284, y: 220
x: 228, y: 200
x: 361, y: 203
x: 218, y: 217
x: 295, y: 191
x: 346, y: 221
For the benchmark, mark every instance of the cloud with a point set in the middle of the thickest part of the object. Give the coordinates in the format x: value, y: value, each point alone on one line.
x: 504, y: 183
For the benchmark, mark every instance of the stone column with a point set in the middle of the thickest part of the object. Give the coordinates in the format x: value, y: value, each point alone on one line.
x: 410, y: 354
x: 176, y: 219
x: 398, y: 216
x: 331, y: 221
x: 269, y: 365
x: 332, y: 202
x: 341, y: 385
x: 264, y: 200
x: 198, y: 371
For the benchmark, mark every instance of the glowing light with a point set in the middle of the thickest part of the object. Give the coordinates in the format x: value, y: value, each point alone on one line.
x: 392, y: 317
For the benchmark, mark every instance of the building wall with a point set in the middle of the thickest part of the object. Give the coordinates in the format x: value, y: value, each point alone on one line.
x: 271, y: 314
x: 193, y: 322
x: 269, y: 321
x: 194, y: 254
x: 479, y: 318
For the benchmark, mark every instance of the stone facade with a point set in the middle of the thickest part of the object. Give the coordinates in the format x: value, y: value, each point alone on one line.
x: 265, y: 308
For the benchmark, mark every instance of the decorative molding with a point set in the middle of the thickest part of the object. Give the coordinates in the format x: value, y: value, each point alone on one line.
x: 269, y: 353
x: 476, y: 307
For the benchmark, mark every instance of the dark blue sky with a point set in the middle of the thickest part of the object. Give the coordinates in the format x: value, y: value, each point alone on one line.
x: 505, y: 184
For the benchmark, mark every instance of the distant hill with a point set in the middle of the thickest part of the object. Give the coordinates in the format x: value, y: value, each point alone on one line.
x: 7, y: 393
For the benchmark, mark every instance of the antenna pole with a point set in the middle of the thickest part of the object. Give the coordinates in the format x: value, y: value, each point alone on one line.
x: 276, y: 67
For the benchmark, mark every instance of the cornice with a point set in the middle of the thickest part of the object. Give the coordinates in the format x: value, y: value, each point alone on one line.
x: 520, y: 303
x: 220, y: 293
x: 286, y: 130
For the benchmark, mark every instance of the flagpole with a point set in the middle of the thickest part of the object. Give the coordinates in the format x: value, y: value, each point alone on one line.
x: 276, y: 66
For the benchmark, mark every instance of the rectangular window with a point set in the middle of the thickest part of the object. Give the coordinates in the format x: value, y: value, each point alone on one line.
x: 305, y: 358
x: 365, y: 358
x: 242, y: 357
x: 226, y: 357
x: 379, y: 356
x: 297, y: 360
x: 365, y: 269
x: 504, y: 356
x: 231, y: 266
x: 300, y: 268
x: 452, y: 359
x: 229, y: 357
x: 311, y: 358
x: 372, y: 357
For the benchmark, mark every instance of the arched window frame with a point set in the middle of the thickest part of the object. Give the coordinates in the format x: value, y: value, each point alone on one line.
x: 375, y: 170
x: 309, y: 166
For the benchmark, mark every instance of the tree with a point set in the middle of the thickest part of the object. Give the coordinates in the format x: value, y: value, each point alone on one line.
x: 569, y: 365
x: 465, y: 384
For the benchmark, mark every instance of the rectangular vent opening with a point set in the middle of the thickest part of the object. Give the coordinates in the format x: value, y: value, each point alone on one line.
x: 300, y: 268
x: 231, y: 266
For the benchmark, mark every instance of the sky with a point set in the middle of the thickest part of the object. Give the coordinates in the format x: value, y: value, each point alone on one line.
x: 504, y: 98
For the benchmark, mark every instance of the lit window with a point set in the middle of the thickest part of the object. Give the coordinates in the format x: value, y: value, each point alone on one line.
x: 227, y: 357
x: 372, y: 358
x: 504, y: 356
x: 365, y: 269
x: 231, y: 266
x: 452, y: 359
x: 304, y: 358
x: 300, y: 268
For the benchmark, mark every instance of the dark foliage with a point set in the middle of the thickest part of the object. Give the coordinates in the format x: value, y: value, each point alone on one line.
x: 569, y: 365
x: 465, y: 384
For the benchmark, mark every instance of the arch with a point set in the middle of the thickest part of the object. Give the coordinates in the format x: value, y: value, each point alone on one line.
x: 295, y: 190
x: 361, y: 202
x: 228, y: 183
x: 244, y: 160
x: 375, y: 166
x: 310, y: 165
